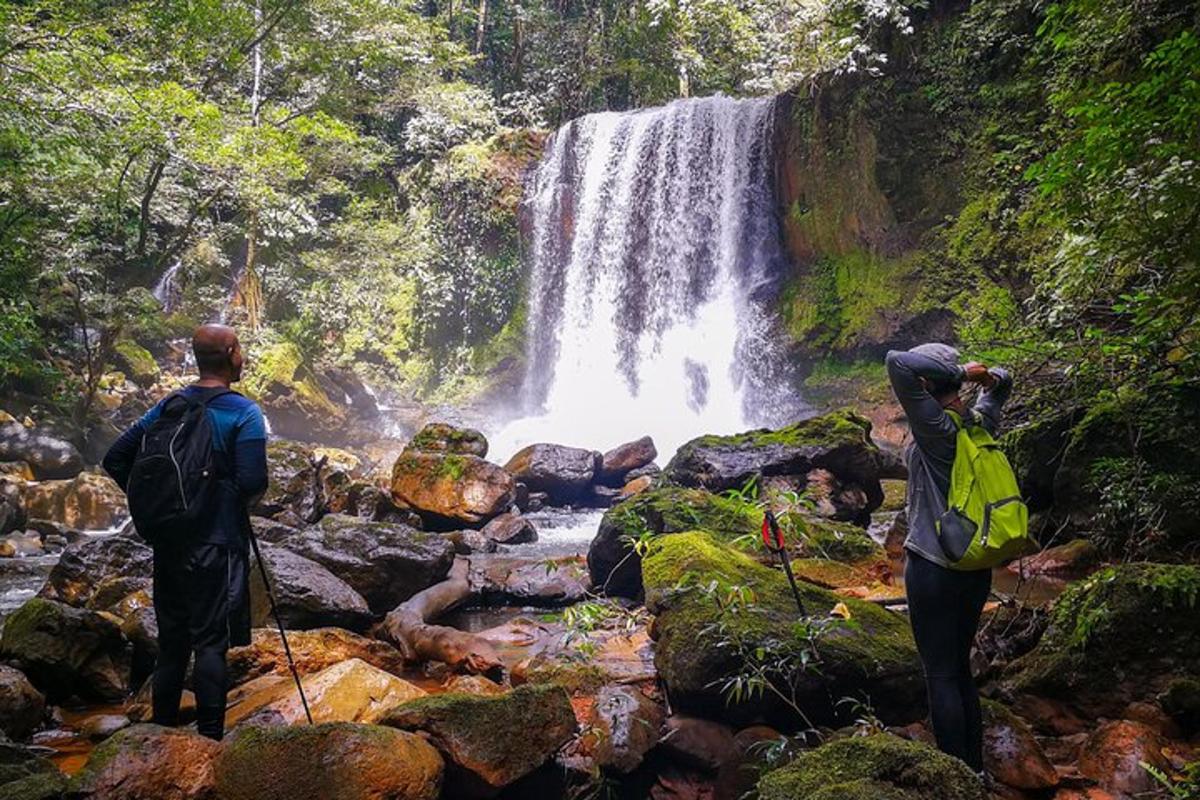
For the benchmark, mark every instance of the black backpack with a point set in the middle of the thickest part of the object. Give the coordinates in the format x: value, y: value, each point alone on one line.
x: 175, y: 475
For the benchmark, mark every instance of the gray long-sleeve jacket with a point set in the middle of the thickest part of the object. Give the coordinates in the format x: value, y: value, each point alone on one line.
x: 931, y: 454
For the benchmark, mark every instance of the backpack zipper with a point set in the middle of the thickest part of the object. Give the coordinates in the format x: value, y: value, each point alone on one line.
x: 178, y: 471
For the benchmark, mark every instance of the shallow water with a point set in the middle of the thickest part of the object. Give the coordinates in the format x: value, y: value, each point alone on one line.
x: 20, y: 579
x: 561, y: 532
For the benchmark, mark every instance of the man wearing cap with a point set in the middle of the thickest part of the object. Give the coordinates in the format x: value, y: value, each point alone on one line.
x: 944, y: 604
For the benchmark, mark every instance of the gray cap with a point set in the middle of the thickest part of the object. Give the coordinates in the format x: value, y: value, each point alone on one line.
x: 941, y: 353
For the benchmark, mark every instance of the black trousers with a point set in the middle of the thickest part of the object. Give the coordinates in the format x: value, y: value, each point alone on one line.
x: 201, y: 600
x: 944, y: 606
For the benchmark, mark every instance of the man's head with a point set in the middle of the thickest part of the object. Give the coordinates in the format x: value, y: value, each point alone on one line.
x: 945, y: 392
x: 218, y: 353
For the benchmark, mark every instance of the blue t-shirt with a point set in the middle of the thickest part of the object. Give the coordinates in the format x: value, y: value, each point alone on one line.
x: 240, y: 435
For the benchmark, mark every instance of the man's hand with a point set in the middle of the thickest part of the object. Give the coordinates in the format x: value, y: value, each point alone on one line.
x: 978, y: 373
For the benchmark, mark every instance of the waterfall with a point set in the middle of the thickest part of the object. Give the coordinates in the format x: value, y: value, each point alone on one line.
x: 653, y: 235
x: 165, y: 291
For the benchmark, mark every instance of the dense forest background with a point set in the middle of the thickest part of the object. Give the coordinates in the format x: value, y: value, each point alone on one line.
x: 342, y: 179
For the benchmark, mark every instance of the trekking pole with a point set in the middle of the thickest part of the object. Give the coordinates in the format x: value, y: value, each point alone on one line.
x: 772, y: 537
x: 287, y: 651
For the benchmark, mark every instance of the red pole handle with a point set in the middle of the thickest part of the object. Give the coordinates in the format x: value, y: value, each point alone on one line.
x: 772, y: 536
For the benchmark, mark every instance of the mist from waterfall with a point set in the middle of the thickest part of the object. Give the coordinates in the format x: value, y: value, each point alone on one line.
x: 653, y: 233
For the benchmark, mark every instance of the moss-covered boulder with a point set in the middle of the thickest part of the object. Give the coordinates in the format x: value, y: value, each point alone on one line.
x: 717, y: 610
x: 26, y: 775
x: 880, y: 767
x: 334, y: 761
x: 490, y: 741
x: 839, y: 442
x: 148, y: 761
x: 385, y: 562
x: 286, y: 386
x: 614, y: 564
x: 67, y: 651
x: 136, y: 362
x: 1143, y: 450
x: 449, y: 490
x: 1123, y: 634
x: 441, y: 437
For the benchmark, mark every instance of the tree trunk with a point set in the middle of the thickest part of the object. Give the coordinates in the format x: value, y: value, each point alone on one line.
x: 408, y: 627
x: 247, y: 294
x: 481, y: 25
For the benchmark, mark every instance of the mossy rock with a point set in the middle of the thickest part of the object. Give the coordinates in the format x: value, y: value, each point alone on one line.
x: 440, y: 437
x: 871, y: 654
x: 615, y: 566
x: 284, y: 383
x: 148, y: 761
x: 136, y: 362
x: 333, y: 761
x: 879, y: 767
x: 1123, y: 634
x: 668, y: 509
x: 25, y: 774
x: 67, y: 651
x: 491, y: 740
x: 839, y: 442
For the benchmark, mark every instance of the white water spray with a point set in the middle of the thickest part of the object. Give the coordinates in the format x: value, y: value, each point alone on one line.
x: 651, y: 232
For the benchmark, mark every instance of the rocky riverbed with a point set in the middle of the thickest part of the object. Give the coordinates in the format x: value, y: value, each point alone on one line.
x: 639, y: 640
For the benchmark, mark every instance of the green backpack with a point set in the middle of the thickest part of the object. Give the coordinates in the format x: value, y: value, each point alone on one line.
x: 986, y: 523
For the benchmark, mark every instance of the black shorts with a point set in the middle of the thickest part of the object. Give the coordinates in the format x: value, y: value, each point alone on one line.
x: 202, y: 594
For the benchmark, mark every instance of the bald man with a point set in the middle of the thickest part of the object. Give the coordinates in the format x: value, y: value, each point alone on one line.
x: 201, y: 584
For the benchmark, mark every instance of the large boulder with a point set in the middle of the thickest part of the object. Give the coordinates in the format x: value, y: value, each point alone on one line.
x: 312, y: 651
x: 26, y: 775
x: 348, y: 691
x: 1121, y: 635
x: 880, y: 767
x: 21, y: 705
x: 48, y: 455
x: 386, y: 563
x: 563, y: 473
x: 704, y: 638
x: 307, y: 595
x: 839, y: 442
x: 67, y: 651
x: 85, y: 569
x: 292, y: 397
x: 490, y: 741
x: 136, y: 362
x: 616, y: 464
x: 336, y: 761
x: 89, y: 501
x: 149, y: 762
x: 614, y: 563
x: 451, y: 489
x: 441, y: 437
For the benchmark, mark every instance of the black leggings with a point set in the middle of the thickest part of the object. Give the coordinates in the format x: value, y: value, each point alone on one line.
x: 199, y: 591
x: 944, y: 606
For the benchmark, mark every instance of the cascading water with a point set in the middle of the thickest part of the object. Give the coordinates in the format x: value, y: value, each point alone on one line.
x: 652, y: 233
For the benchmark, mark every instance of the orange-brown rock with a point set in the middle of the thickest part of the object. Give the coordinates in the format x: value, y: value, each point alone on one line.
x: 89, y: 501
x: 312, y: 650
x: 1011, y: 752
x: 451, y: 487
x: 149, y: 762
x: 1114, y: 754
x: 337, y: 761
